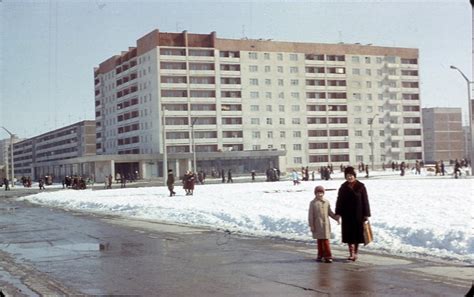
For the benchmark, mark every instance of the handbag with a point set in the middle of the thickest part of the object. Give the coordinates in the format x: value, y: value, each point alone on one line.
x: 368, y: 236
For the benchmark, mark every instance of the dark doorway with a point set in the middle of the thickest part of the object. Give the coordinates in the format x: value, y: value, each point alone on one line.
x: 129, y: 170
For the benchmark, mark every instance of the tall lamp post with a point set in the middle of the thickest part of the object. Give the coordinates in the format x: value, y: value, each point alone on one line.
x: 372, y: 140
x: 193, y: 144
x: 12, y: 166
x: 165, y: 152
x: 469, y: 106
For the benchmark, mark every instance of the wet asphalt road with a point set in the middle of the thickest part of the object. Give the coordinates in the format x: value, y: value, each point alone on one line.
x: 47, y: 251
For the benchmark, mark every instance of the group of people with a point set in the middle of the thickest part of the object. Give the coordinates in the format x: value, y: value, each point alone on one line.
x: 352, y: 211
x: 189, y: 180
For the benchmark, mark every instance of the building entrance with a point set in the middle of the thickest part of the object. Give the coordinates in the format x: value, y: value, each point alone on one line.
x: 130, y: 170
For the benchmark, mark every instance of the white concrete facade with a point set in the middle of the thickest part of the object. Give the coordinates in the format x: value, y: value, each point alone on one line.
x: 314, y: 102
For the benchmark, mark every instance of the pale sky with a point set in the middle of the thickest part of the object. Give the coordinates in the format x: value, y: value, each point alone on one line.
x: 50, y: 48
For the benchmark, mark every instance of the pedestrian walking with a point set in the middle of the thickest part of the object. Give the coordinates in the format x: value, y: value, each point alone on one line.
x: 223, y: 175
x: 253, y: 175
x: 318, y: 220
x: 41, y: 184
x: 294, y: 176
x: 229, y: 176
x: 109, y: 182
x: 6, y: 183
x: 352, y: 206
x: 170, y: 182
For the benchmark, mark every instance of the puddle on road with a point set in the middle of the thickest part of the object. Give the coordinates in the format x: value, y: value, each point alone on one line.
x: 79, y: 247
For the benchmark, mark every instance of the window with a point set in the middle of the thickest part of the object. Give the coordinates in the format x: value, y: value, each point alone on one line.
x: 254, y: 108
x: 293, y: 69
x: 254, y: 95
x: 356, y: 71
x: 282, y: 134
x: 255, y: 121
x: 280, y: 82
x: 281, y: 108
x: 369, y: 97
x: 359, y: 158
x: 294, y: 82
x: 356, y: 96
x: 280, y: 57
x: 381, y: 133
x: 268, y: 95
x: 378, y: 60
x: 267, y: 68
x: 367, y: 60
x: 255, y: 134
x: 282, y: 121
x: 296, y: 121
x: 295, y: 108
x: 359, y: 146
x: 268, y: 82
x: 355, y: 59
x: 266, y: 56
x: 357, y: 108
x: 358, y: 133
x: 368, y: 84
x: 382, y: 145
x: 253, y: 82
x: 281, y: 95
x: 368, y: 72
x: 253, y: 55
x: 358, y: 121
x: 253, y: 68
x: 369, y: 109
x: 280, y: 69
x: 255, y: 147
x: 297, y: 134
x: 293, y: 57
x: 269, y: 108
x: 297, y: 147
x: 297, y: 160
x: 295, y: 95
x: 269, y: 134
x: 269, y: 121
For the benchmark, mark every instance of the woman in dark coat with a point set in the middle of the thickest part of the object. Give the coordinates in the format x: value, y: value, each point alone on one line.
x: 353, y: 206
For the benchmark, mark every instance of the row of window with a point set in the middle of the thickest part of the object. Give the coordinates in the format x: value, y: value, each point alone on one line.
x: 280, y: 56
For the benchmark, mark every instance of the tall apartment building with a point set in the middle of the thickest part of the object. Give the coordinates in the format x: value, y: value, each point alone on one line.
x: 310, y: 103
x: 443, y: 134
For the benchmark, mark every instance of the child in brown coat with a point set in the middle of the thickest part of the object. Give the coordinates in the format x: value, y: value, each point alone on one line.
x: 318, y: 219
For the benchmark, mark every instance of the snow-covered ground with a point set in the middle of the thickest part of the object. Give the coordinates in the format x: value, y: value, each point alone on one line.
x: 416, y: 216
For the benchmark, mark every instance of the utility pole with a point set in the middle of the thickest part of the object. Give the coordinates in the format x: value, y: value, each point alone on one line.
x: 165, y: 153
x: 12, y: 163
x: 193, y: 145
x: 372, y: 140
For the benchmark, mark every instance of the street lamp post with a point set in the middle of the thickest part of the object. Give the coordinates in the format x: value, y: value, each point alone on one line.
x: 469, y: 106
x: 12, y: 163
x: 193, y: 144
x: 372, y: 140
x: 165, y: 153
